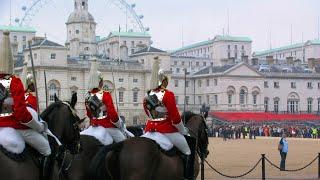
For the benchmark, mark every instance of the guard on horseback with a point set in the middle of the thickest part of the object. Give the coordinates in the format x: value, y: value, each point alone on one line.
x: 164, y: 118
x: 105, y: 124
x: 14, y: 112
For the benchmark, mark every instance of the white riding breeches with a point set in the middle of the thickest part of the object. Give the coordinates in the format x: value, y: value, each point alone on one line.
x: 105, y: 135
x: 116, y: 134
x: 179, y: 141
x: 36, y: 140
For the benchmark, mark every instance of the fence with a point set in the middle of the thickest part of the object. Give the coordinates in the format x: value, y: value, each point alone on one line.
x: 263, y: 161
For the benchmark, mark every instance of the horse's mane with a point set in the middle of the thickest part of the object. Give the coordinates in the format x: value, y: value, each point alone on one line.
x: 187, y: 115
x: 49, y: 109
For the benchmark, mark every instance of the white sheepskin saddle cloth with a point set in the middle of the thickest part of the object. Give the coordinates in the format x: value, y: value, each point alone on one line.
x: 100, y: 133
x: 160, y: 139
x: 11, y: 140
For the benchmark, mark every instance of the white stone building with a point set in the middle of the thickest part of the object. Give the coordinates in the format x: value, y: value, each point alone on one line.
x: 299, y: 53
x: 221, y: 49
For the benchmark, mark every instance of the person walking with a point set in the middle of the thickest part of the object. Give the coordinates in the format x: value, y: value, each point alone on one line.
x: 283, y: 148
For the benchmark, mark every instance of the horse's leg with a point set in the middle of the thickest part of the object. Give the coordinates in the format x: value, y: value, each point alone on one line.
x: 13, y: 170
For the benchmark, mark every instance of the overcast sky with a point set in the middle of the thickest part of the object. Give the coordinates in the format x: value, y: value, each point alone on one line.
x: 199, y: 20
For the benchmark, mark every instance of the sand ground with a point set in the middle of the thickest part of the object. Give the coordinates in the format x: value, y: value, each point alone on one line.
x: 234, y: 157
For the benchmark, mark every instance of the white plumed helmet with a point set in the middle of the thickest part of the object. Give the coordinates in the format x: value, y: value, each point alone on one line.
x: 94, y: 76
x: 6, y: 59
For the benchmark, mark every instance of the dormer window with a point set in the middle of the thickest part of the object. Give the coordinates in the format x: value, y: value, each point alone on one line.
x: 77, y: 31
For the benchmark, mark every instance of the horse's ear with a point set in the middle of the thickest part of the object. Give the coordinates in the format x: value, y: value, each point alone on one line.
x: 56, y: 99
x: 74, y: 100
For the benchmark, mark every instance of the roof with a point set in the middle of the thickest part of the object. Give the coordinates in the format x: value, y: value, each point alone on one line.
x: 149, y: 49
x: 314, y: 42
x: 128, y: 34
x: 232, y: 38
x: 215, y: 39
x: 17, y: 29
x: 283, y: 48
x: 46, y: 42
x: 215, y: 69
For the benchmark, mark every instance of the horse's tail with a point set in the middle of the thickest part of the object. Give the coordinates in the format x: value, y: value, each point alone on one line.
x: 97, y: 170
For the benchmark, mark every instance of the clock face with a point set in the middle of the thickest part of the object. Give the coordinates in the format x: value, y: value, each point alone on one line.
x: 108, y: 86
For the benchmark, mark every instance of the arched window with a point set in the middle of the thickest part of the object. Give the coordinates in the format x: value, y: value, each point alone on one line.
x: 230, y: 92
x: 54, y: 88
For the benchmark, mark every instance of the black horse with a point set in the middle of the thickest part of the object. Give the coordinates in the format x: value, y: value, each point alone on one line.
x: 63, y: 122
x: 142, y: 159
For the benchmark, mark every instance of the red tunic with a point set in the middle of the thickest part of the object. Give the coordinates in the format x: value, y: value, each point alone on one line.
x: 31, y: 101
x: 20, y: 112
x: 112, y: 115
x: 173, y: 116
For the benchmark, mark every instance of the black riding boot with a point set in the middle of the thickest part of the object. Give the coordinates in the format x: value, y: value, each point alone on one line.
x: 188, y: 170
x: 46, y: 167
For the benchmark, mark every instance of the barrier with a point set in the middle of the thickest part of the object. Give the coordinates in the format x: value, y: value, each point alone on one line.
x: 263, y: 160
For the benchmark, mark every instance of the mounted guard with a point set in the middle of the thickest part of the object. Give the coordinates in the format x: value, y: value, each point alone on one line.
x: 164, y: 123
x: 105, y: 124
x: 14, y: 112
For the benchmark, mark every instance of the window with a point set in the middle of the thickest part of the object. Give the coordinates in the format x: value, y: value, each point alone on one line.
x: 276, y: 105
x: 229, y: 98
x: 276, y: 84
x: 24, y: 38
x: 135, y: 80
x: 15, y: 38
x: 175, y: 62
x: 178, y: 70
x: 309, y: 85
x: 318, y: 105
x: 35, y: 55
x: 266, y: 104
x: 135, y: 96
x: 235, y: 55
x: 199, y: 83
x: 204, y: 63
x: 187, y: 83
x: 73, y: 78
x: 24, y: 46
x: 53, y: 90
x: 266, y: 84
x: 132, y: 51
x: 53, y: 55
x: 120, y: 79
x: 197, y: 63
x: 177, y: 99
x: 242, y: 47
x: 254, y: 97
x: 215, y: 99
x: 228, y: 55
x: 235, y: 47
x: 309, y: 108
x: 293, y: 85
x: 86, y: 48
x: 125, y: 43
x: 182, y: 63
x: 208, y: 82
x: 215, y: 81
x: 77, y: 31
x: 208, y: 99
x: 132, y: 43
x: 187, y: 99
x: 318, y: 85
x: 142, y: 61
x: 242, y: 96
x: 120, y: 96
x: 228, y: 47
x: 176, y: 83
x: 199, y: 99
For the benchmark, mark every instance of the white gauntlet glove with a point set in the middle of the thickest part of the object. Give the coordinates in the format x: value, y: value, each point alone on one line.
x: 181, y: 128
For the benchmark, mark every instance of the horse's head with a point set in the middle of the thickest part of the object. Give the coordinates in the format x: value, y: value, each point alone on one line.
x: 198, y: 129
x: 64, y: 122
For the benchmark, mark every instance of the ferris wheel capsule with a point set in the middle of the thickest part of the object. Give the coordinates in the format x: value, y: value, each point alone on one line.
x: 17, y: 20
x: 24, y: 8
x: 133, y: 5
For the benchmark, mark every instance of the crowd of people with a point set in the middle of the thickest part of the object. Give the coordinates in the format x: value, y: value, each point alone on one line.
x: 273, y: 130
